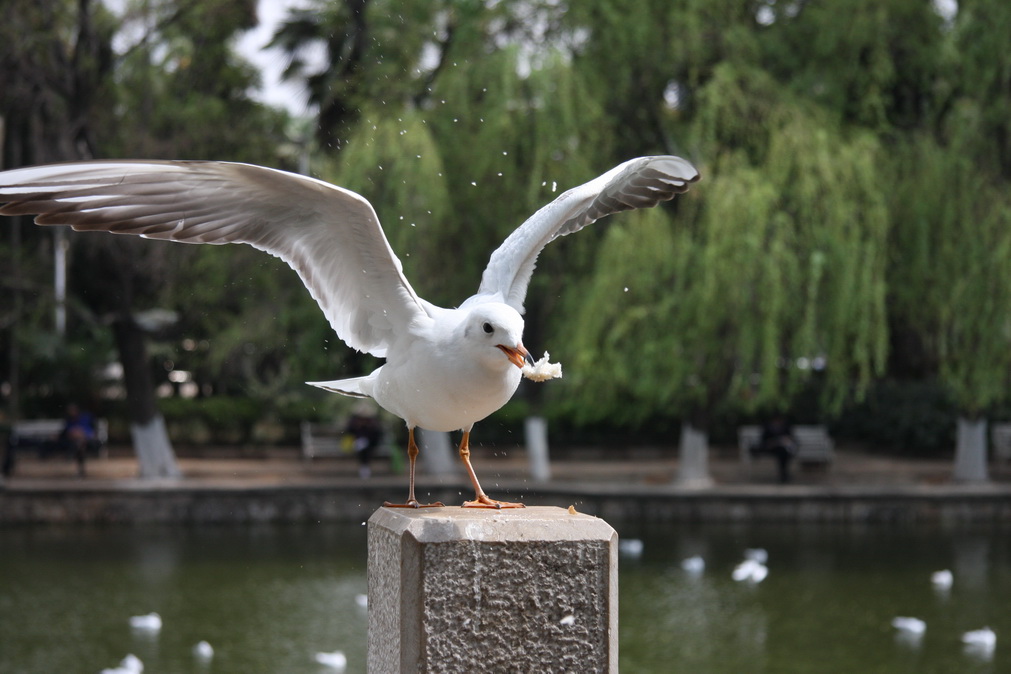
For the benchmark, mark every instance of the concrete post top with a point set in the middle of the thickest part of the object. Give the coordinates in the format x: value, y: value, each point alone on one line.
x: 436, y: 525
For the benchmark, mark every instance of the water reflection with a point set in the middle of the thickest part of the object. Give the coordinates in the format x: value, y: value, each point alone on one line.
x: 827, y: 604
x: 269, y: 599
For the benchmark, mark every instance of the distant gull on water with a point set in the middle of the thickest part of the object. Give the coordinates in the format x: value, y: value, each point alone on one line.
x: 445, y: 369
x: 131, y: 664
x: 146, y: 623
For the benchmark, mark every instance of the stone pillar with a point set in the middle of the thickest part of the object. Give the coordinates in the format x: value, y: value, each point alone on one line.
x: 477, y: 590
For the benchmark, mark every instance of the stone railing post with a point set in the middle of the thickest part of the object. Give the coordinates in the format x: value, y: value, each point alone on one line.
x: 475, y: 590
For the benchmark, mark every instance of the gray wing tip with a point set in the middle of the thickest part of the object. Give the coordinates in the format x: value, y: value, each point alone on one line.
x: 673, y: 167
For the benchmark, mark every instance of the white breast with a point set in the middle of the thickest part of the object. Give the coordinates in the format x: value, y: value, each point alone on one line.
x: 428, y: 394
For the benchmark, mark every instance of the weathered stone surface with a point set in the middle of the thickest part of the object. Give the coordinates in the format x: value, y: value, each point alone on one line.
x: 468, y: 590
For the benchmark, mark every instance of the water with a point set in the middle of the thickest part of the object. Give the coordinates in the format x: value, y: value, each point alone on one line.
x: 269, y: 598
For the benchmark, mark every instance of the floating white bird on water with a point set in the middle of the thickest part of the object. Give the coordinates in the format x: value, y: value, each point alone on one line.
x: 630, y: 547
x: 909, y: 625
x: 751, y: 571
x: 146, y: 623
x: 942, y: 580
x: 693, y: 565
x: 335, y: 660
x: 760, y: 555
x: 203, y: 650
x: 980, y: 643
x: 131, y: 664
x: 445, y: 369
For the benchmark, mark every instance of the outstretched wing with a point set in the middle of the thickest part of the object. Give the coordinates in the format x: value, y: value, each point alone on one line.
x: 639, y: 183
x: 329, y: 235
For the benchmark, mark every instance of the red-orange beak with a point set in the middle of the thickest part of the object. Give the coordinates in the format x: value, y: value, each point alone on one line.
x: 517, y: 356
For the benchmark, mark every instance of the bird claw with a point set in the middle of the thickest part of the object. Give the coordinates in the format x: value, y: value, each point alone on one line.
x: 482, y: 501
x: 413, y: 503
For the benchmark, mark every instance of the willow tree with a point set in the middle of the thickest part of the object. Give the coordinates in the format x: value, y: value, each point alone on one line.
x: 771, y: 270
x: 950, y: 283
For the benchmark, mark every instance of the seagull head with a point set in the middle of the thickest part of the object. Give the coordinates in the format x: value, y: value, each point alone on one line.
x: 495, y: 331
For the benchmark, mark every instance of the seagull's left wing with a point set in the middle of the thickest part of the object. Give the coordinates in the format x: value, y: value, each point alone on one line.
x: 639, y: 183
x: 329, y: 235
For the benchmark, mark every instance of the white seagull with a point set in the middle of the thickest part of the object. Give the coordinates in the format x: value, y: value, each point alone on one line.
x: 980, y: 643
x: 445, y: 369
x: 335, y: 660
x: 942, y: 580
x: 914, y: 626
x: 146, y: 623
x: 131, y: 664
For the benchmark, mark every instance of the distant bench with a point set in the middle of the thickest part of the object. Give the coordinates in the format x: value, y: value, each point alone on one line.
x: 39, y: 432
x: 814, y: 446
x: 43, y: 435
x: 327, y: 440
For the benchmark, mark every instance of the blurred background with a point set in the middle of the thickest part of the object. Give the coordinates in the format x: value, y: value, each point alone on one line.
x: 845, y: 259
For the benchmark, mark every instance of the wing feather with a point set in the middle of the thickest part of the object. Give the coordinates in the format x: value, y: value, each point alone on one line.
x: 329, y: 235
x: 638, y: 183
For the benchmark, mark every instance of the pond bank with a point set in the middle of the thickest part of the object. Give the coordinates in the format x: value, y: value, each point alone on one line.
x: 278, y: 487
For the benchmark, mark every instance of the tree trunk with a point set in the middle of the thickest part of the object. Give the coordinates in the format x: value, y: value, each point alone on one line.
x: 147, y: 427
x: 970, y: 452
x: 436, y: 452
x: 694, y: 453
x: 536, y: 431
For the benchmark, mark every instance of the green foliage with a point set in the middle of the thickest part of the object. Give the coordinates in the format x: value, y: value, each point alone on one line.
x: 978, y: 75
x: 183, y: 92
x: 909, y: 417
x: 774, y: 263
x: 949, y: 273
x: 873, y: 64
x: 855, y: 156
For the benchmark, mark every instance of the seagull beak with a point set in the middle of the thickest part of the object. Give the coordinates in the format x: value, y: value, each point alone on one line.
x: 517, y: 356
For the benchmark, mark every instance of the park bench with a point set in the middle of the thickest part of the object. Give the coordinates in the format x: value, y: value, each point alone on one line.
x: 1000, y: 440
x: 321, y: 440
x: 814, y: 445
x: 328, y: 440
x: 43, y: 436
x: 39, y: 432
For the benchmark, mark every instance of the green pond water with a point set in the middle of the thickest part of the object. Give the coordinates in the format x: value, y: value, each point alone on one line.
x: 268, y: 598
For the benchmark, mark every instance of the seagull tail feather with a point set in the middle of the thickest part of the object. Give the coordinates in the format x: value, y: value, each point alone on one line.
x: 347, y: 387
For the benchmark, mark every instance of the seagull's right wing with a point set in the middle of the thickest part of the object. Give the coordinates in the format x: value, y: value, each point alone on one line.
x: 638, y: 183
x: 329, y: 235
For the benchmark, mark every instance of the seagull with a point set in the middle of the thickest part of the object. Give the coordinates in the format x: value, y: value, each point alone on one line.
x: 942, y: 580
x: 914, y: 626
x: 445, y: 369
x: 751, y: 571
x: 131, y: 664
x: 335, y: 660
x: 693, y: 565
x: 146, y: 623
x: 203, y: 650
x: 630, y: 547
x: 980, y: 642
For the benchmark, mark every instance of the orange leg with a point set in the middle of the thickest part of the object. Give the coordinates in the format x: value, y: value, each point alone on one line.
x: 412, y: 454
x: 481, y: 499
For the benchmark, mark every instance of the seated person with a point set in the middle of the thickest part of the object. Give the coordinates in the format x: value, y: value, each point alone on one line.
x: 777, y: 440
x: 78, y: 435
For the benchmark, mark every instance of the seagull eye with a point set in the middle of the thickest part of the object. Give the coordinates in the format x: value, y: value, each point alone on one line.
x: 487, y: 328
